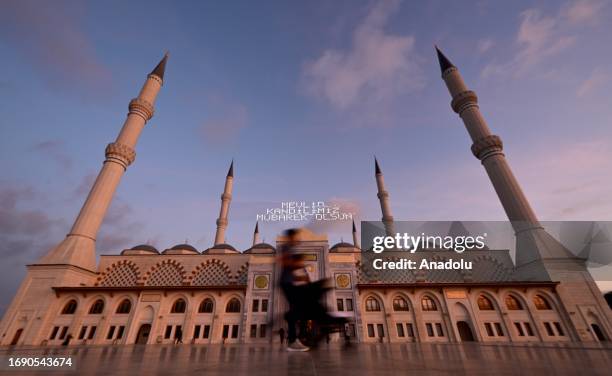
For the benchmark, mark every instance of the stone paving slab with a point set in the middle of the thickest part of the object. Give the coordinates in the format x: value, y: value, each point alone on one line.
x: 333, y: 359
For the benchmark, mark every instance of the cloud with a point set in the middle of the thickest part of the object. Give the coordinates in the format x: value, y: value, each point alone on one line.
x: 25, y: 234
x: 540, y: 37
x: 54, y: 149
x: 50, y: 36
x: 16, y: 221
x: 225, y: 123
x: 119, y: 229
x: 376, y: 67
x: 597, y: 78
x: 574, y: 184
x: 84, y: 186
x: 485, y: 45
x: 585, y: 11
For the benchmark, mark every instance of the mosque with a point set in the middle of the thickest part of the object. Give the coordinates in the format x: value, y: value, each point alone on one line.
x: 224, y: 295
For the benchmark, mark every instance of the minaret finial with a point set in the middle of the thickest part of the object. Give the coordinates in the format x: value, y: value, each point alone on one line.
x: 376, y: 166
x: 230, y: 172
x: 256, y: 234
x: 160, y: 68
x: 443, y: 60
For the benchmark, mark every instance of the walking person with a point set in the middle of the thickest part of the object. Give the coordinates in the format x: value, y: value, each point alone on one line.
x: 291, y: 263
x: 67, y: 340
x: 178, y: 336
x: 281, y: 335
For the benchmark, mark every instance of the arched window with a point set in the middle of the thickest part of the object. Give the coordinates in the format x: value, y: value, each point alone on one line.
x: 70, y: 307
x: 178, y: 306
x: 484, y: 303
x: 97, y: 307
x: 372, y: 304
x: 513, y: 304
x: 541, y: 303
x: 400, y: 304
x: 428, y: 304
x: 124, y: 307
x: 233, y: 306
x: 206, y: 306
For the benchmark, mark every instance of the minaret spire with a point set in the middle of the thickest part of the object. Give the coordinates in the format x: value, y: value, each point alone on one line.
x: 160, y: 68
x: 443, y: 60
x: 256, y: 234
x: 355, y: 239
x: 226, y: 198
x: 383, y: 197
x: 78, y: 248
x: 533, y: 243
x: 230, y: 172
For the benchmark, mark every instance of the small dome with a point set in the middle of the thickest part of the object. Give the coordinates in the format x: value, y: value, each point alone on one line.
x: 141, y: 249
x: 145, y: 247
x: 184, y: 247
x: 221, y: 248
x: 336, y: 247
x: 261, y: 248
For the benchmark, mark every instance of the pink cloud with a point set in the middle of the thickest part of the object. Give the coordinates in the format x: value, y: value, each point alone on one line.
x: 596, y: 79
x: 376, y: 67
x: 542, y: 36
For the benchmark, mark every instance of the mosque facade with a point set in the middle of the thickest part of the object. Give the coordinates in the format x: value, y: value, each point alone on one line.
x: 223, y: 295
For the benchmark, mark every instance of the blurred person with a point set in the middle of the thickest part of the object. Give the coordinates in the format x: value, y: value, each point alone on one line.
x: 304, y: 297
x: 281, y: 335
x: 290, y: 281
x: 67, y: 340
x: 178, y: 336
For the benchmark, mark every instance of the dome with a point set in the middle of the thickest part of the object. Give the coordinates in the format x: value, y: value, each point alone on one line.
x: 181, y: 249
x: 336, y: 247
x: 145, y: 247
x: 141, y: 249
x: 221, y: 248
x: 261, y: 248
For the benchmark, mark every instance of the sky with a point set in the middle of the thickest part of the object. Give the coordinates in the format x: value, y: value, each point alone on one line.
x: 301, y: 95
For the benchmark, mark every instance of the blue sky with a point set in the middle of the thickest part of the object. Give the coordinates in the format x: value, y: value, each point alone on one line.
x: 301, y: 94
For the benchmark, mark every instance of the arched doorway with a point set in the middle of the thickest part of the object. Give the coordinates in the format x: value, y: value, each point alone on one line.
x: 143, y: 334
x: 16, y: 336
x: 598, y: 333
x: 465, y: 332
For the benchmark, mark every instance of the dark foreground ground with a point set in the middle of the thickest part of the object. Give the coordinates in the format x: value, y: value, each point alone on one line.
x: 362, y: 359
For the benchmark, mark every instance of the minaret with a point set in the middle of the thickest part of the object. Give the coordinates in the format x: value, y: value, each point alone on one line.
x: 539, y: 256
x: 78, y: 248
x: 256, y: 234
x: 383, y: 197
x: 533, y: 243
x: 226, y: 198
x: 355, y: 240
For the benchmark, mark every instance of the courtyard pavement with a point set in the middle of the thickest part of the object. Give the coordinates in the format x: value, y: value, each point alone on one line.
x: 332, y: 359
